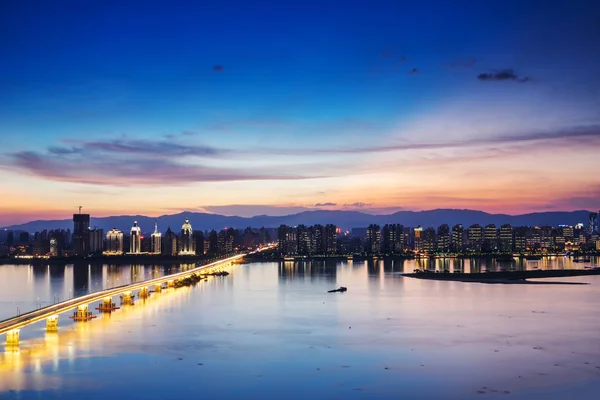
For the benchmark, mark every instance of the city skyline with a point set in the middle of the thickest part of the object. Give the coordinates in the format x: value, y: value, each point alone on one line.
x: 328, y: 105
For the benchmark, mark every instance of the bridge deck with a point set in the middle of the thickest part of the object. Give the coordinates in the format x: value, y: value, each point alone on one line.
x: 43, y: 313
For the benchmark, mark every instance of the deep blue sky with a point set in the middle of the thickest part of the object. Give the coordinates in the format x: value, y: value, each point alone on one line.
x: 78, y: 77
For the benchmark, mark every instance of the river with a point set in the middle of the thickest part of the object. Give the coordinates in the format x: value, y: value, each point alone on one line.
x: 270, y: 330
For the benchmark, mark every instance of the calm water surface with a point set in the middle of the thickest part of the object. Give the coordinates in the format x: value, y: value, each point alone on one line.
x: 270, y: 330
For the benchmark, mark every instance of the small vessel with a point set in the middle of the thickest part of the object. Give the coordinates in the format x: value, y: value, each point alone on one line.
x: 341, y: 289
x: 533, y: 257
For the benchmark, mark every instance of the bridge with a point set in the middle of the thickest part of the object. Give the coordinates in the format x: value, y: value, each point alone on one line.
x: 11, y: 327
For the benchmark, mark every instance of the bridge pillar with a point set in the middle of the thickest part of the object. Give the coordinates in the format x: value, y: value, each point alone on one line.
x: 12, y: 337
x: 107, y: 302
x: 170, y: 283
x: 127, y: 298
x: 82, y: 313
x: 52, y: 323
x: 158, y: 288
x: 144, y: 292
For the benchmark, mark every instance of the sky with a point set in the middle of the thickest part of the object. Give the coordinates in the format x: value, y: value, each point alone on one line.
x: 271, y: 107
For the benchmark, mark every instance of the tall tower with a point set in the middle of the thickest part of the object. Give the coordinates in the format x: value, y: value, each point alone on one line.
x: 114, y: 242
x: 81, y: 233
x: 156, y: 240
x: 187, y: 239
x: 135, y: 244
x: 593, y: 224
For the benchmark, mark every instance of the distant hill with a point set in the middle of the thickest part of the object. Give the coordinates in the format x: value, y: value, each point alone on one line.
x: 344, y: 219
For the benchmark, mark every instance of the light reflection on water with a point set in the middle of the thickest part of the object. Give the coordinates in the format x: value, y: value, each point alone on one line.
x: 270, y: 330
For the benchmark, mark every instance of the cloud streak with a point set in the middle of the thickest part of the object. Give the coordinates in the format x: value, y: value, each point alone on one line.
x: 502, y: 75
x: 135, y: 171
x: 581, y: 136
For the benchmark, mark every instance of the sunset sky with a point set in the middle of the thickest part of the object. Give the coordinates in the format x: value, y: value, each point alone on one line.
x: 245, y: 108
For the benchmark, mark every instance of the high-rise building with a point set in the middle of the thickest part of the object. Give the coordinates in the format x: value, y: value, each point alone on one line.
x: 96, y: 241
x: 155, y: 240
x: 114, y: 241
x: 443, y: 238
x: 81, y: 234
x: 475, y: 238
x: 429, y: 240
x: 490, y: 238
x: 593, y: 223
x: 418, y: 239
x: 135, y: 239
x: 186, y: 239
x: 330, y: 239
x: 456, y: 244
x: 392, y: 239
x: 169, y: 245
x: 287, y: 239
x: 199, y: 242
x: 373, y: 239
x: 506, y: 238
x: 304, y: 241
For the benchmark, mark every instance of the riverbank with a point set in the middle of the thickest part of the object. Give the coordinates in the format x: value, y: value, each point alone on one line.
x: 121, y: 259
x: 506, y: 277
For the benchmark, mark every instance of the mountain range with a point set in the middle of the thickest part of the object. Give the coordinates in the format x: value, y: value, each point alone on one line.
x: 343, y: 219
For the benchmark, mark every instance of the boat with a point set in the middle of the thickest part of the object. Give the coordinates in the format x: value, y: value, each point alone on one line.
x: 533, y: 257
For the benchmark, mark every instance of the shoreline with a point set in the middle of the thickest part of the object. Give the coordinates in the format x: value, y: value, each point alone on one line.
x: 506, y: 277
x: 123, y: 259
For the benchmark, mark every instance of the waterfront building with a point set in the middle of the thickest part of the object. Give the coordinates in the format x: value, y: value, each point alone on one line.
x: 287, y: 238
x: 506, y: 238
x: 392, y: 237
x: 443, y: 238
x: 456, y: 244
x: 186, y: 239
x: 155, y: 240
x: 169, y: 244
x: 96, y: 241
x: 303, y: 241
x: 490, y: 238
x: 330, y: 239
x: 373, y: 239
x: 114, y: 242
x: 81, y: 230
x: 475, y: 238
x: 593, y: 223
x: 199, y: 242
x: 135, y: 239
x: 429, y: 241
x: 418, y: 239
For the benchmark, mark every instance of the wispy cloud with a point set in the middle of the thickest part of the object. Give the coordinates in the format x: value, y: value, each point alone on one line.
x: 325, y: 205
x: 113, y: 171
x: 502, y: 75
x: 358, y: 204
x: 160, y: 148
x: 574, y: 136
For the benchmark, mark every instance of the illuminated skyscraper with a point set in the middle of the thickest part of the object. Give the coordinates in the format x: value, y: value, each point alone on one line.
x: 475, y: 238
x: 443, y: 238
x: 593, y: 223
x: 186, y: 239
x: 135, y: 240
x: 114, y: 242
x: 155, y: 240
x: 373, y: 239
